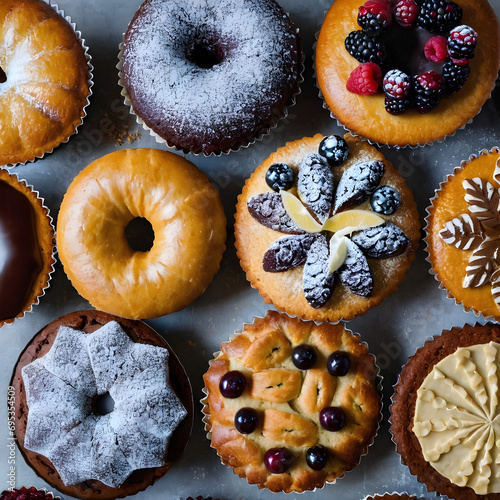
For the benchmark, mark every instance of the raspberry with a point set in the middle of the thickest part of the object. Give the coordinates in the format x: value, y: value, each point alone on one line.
x: 454, y: 77
x: 374, y: 16
x: 365, y: 79
x: 406, y: 13
x: 364, y: 48
x: 24, y: 493
x: 462, y: 43
x: 397, y: 106
x: 427, y: 91
x: 438, y: 16
x: 436, y: 49
x: 396, y: 84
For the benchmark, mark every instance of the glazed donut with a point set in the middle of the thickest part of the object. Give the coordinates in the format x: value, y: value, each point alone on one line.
x: 209, y: 76
x: 105, y: 262
x: 44, y: 80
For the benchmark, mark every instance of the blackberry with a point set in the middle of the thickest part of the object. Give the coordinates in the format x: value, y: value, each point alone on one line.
x: 374, y: 17
x: 438, y: 16
x: 427, y: 91
x: 397, y: 106
x: 454, y: 77
x: 365, y: 48
x: 462, y: 42
x: 396, y: 84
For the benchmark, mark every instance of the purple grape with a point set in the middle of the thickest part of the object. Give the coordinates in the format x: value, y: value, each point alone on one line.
x: 232, y: 384
x: 316, y: 457
x: 304, y: 357
x: 332, y: 418
x: 246, y: 420
x: 338, y: 363
x: 278, y: 460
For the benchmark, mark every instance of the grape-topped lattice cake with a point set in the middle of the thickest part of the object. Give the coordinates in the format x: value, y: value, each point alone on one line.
x: 326, y: 228
x: 407, y: 72
x: 291, y: 404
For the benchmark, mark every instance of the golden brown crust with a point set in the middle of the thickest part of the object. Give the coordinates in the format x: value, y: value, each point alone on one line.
x: 448, y: 262
x: 405, y: 395
x: 45, y: 237
x: 89, y: 321
x: 293, y: 423
x: 366, y: 115
x: 284, y: 289
x: 44, y: 108
x: 189, y: 227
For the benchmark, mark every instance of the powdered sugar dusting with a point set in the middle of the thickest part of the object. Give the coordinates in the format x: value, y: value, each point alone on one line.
x: 62, y: 423
x: 256, y: 75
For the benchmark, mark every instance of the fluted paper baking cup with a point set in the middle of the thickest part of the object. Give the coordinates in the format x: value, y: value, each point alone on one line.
x: 404, y: 495
x: 90, y: 84
x: 362, y: 119
x: 45, y: 241
x: 478, y: 299
x: 278, y: 115
x: 271, y: 441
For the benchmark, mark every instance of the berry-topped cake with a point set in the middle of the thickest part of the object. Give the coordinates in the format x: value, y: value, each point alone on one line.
x: 407, y: 72
x: 291, y: 404
x: 326, y: 228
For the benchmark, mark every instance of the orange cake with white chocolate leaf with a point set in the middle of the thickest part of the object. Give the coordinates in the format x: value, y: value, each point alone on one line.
x: 291, y: 404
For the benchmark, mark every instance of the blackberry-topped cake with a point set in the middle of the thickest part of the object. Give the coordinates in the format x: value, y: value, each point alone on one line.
x: 103, y: 407
x: 291, y: 405
x: 407, y: 72
x: 326, y: 228
x: 212, y: 76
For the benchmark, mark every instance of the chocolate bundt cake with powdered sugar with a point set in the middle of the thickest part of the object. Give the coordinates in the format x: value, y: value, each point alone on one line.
x: 210, y: 76
x: 101, y: 405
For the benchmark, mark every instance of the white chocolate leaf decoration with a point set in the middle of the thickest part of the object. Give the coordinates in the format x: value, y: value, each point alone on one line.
x: 457, y: 418
x: 496, y: 172
x: 338, y: 252
x: 483, y: 201
x: 481, y: 263
x: 299, y: 213
x: 350, y: 221
x: 463, y: 232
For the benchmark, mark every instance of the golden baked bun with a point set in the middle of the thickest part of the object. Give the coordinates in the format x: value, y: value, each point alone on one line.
x: 309, y: 408
x: 94, y: 241
x: 43, y: 80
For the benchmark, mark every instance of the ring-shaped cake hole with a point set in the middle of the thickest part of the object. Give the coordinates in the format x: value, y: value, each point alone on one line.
x: 103, y: 404
x: 205, y: 50
x: 140, y: 234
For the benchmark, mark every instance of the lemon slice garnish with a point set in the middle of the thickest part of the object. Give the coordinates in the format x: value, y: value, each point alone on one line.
x: 352, y: 220
x: 338, y: 252
x: 299, y: 213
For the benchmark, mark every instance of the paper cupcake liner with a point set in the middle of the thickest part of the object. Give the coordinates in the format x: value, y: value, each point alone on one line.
x: 428, y: 340
x: 431, y: 271
x: 381, y: 496
x: 49, y: 268
x: 245, y: 144
x: 379, y: 144
x: 378, y: 378
x: 90, y: 83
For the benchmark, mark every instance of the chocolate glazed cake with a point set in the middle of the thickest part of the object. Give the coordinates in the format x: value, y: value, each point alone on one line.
x: 211, y: 78
x: 139, y: 333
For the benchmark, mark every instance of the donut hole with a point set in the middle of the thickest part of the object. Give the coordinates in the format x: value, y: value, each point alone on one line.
x: 140, y: 234
x: 103, y: 404
x: 3, y: 76
x: 204, y: 52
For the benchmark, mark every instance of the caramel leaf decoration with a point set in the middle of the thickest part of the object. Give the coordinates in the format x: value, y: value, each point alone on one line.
x: 496, y: 172
x: 480, y: 266
x: 463, y: 232
x: 483, y: 200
